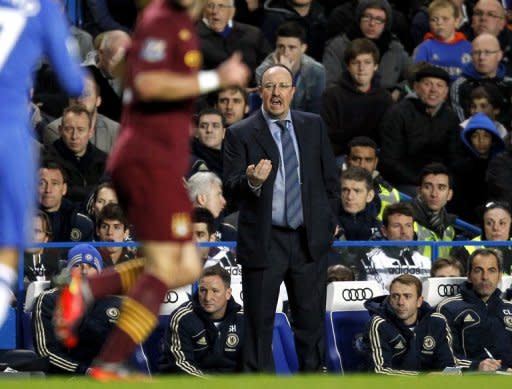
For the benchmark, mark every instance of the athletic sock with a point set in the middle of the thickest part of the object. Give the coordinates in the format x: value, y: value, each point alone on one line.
x: 8, y: 278
x: 138, y: 318
x: 116, y: 280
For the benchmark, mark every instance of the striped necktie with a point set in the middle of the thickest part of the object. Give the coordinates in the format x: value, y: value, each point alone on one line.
x: 293, y: 211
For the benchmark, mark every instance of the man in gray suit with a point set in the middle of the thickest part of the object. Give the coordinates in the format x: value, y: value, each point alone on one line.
x: 105, y: 129
x: 280, y: 169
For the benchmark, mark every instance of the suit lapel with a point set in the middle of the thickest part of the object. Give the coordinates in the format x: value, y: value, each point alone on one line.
x: 265, y: 140
x: 301, y: 129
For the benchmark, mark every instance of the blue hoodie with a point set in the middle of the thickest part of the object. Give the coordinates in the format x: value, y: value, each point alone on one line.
x: 481, y: 121
x: 470, y: 71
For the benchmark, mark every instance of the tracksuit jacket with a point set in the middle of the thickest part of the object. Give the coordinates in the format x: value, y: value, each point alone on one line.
x: 195, y: 346
x: 475, y: 325
x: 96, y: 325
x: 396, y: 349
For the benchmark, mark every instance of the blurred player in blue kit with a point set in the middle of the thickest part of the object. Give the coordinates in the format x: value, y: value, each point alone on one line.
x: 29, y: 31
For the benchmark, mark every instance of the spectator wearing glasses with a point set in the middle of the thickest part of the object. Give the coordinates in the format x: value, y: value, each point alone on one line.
x: 374, y: 18
x: 485, y: 68
x: 489, y: 16
x: 220, y: 36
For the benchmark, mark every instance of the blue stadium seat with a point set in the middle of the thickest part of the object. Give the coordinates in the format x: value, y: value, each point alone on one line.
x: 74, y: 10
x: 343, y: 334
x: 283, y: 346
x: 254, y: 102
x: 8, y: 331
x: 152, y: 346
x: 27, y: 341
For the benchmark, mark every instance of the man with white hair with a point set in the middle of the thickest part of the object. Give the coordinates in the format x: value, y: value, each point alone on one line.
x: 113, y: 45
x: 220, y: 36
x: 205, y: 190
x: 486, y: 67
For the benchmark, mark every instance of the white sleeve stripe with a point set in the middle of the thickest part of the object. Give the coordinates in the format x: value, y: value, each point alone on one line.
x: 175, y: 346
x: 377, y: 356
x: 41, y: 339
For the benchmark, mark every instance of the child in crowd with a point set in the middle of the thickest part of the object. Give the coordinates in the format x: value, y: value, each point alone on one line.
x: 483, y: 141
x: 443, y: 45
x: 487, y: 99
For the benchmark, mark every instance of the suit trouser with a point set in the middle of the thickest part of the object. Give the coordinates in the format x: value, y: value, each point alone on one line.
x: 305, y: 282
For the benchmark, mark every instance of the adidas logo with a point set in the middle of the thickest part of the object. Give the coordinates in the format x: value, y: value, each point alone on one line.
x: 202, y: 341
x: 399, y: 346
x: 468, y: 319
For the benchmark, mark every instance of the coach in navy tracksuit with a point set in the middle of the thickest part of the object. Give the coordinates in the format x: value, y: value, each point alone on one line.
x: 405, y: 336
x: 205, y: 335
x: 479, y: 319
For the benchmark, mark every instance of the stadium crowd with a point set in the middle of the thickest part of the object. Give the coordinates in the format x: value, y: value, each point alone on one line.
x: 413, y: 103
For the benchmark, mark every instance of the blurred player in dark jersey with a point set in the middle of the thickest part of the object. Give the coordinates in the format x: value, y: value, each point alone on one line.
x: 147, y: 164
x: 29, y: 30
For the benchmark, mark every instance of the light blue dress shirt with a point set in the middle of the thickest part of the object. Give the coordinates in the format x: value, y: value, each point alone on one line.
x: 278, y: 197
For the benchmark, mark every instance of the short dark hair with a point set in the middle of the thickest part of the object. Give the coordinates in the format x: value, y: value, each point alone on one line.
x: 52, y: 164
x: 401, y: 208
x: 210, y: 111
x: 442, y: 262
x: 234, y: 89
x: 362, y: 141
x: 361, y: 46
x: 486, y: 252
x: 358, y: 174
x: 408, y: 279
x: 340, y: 273
x: 112, y: 212
x: 77, y: 109
x: 490, y: 92
x: 203, y: 215
x: 291, y: 29
x: 217, y: 270
x: 436, y: 168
